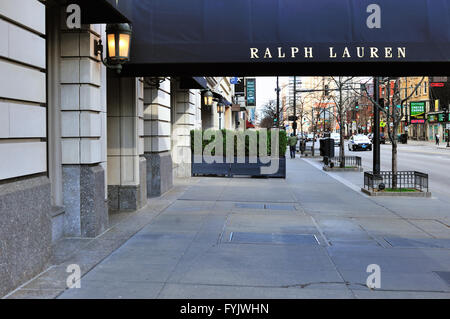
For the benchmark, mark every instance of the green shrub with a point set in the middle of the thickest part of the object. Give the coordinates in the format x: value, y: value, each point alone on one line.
x: 239, y: 135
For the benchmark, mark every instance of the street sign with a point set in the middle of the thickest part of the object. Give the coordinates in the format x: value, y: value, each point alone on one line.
x: 447, y: 126
x: 251, y: 92
x: 234, y: 80
x: 292, y: 118
x: 417, y: 112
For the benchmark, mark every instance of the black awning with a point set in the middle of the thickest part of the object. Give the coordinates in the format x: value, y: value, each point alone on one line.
x: 220, y: 97
x: 193, y: 83
x: 188, y: 33
x: 103, y: 11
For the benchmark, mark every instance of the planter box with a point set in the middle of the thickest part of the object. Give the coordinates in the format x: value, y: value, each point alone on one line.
x: 201, y: 167
x: 396, y: 194
x: 345, y: 169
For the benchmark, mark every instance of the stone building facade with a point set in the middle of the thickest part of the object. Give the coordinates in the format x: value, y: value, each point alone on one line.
x: 77, y: 141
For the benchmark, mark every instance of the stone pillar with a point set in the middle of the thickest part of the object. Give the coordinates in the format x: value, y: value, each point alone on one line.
x: 127, y: 169
x: 187, y: 105
x: 83, y: 117
x: 25, y: 195
x: 157, y: 144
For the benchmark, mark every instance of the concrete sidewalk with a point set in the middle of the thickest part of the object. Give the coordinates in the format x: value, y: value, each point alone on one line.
x: 429, y: 144
x: 309, y: 236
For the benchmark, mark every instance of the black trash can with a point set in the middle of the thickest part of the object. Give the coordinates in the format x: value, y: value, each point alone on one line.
x: 322, y: 147
x: 327, y: 147
x: 404, y: 138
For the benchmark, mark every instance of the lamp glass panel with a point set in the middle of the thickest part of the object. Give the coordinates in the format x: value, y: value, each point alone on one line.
x: 208, y: 100
x: 124, y: 45
x: 111, y: 45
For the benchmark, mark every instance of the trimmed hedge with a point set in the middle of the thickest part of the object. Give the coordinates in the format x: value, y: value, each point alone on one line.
x: 283, y: 141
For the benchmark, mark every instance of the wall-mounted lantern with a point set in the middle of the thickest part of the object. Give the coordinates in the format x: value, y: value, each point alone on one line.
x: 118, y: 37
x: 208, y: 98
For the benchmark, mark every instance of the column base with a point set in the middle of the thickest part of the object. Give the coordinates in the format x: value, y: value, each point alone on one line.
x: 25, y: 230
x: 129, y: 197
x: 159, y: 173
x: 86, y: 211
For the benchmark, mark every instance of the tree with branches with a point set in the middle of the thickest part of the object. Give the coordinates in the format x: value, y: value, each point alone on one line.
x: 345, y: 100
x: 269, y: 114
x: 393, y: 110
x: 315, y: 114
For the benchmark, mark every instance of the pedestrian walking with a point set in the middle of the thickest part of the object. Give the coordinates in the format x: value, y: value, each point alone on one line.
x: 292, y: 144
x: 437, y: 139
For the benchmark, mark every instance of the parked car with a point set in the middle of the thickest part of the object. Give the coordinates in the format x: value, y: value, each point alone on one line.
x: 382, y: 138
x: 359, y: 142
x: 310, y: 137
x: 337, y: 138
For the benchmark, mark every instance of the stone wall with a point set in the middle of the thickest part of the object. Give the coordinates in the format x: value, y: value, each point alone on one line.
x: 25, y: 230
x: 25, y: 198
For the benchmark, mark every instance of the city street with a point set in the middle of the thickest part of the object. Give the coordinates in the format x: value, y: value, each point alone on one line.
x: 423, y: 157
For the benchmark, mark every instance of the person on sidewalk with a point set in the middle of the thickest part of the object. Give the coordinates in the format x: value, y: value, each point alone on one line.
x: 437, y: 139
x: 292, y: 144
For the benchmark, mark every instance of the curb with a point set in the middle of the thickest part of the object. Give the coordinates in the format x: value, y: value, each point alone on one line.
x: 397, y: 194
x: 345, y: 169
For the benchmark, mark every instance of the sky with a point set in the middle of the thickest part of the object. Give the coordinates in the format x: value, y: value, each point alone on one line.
x: 265, y: 90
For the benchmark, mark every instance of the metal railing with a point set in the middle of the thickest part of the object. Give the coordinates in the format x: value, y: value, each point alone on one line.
x: 348, y: 161
x: 400, y: 180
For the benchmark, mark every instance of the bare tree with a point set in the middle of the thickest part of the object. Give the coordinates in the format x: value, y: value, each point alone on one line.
x: 315, y: 114
x: 392, y: 109
x: 269, y: 114
x: 344, y: 102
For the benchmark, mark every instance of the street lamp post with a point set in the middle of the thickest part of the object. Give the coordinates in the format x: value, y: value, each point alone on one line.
x: 447, y: 123
x: 220, y: 110
x: 278, y: 102
x: 376, y: 126
x: 294, y: 125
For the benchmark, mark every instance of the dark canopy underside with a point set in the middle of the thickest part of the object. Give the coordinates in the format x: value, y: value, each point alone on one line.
x: 220, y: 35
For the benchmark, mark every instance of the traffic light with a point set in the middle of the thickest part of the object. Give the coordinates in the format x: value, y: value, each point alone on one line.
x: 357, y: 106
x: 327, y: 90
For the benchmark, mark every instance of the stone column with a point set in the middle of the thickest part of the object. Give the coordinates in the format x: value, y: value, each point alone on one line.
x: 186, y: 108
x: 83, y: 116
x: 157, y: 130
x: 127, y: 169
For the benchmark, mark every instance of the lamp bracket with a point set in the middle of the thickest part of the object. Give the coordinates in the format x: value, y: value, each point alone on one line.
x: 154, y: 82
x: 98, y: 50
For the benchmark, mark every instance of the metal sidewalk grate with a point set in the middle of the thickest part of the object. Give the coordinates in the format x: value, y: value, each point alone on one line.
x: 400, y: 242
x: 444, y: 275
x: 270, y: 206
x: 264, y: 238
x: 253, y: 206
